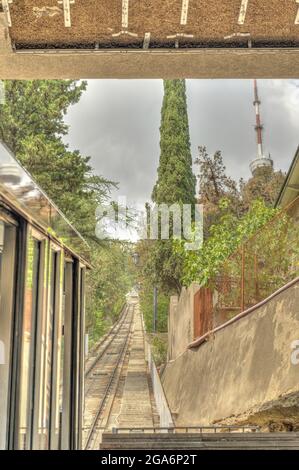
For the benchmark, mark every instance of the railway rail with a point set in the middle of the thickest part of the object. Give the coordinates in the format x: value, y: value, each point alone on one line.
x: 100, y: 348
x: 134, y: 402
x: 120, y: 409
x: 102, y: 377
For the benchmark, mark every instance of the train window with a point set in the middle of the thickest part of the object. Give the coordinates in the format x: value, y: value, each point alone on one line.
x: 28, y: 348
x: 7, y: 271
x: 82, y: 351
x: 49, y: 418
x: 46, y: 428
x: 67, y: 356
x: 55, y: 416
x: 74, y: 356
x: 62, y: 358
x: 78, y: 349
x: 39, y: 426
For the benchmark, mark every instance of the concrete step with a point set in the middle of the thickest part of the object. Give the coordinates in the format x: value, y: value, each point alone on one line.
x: 208, y: 441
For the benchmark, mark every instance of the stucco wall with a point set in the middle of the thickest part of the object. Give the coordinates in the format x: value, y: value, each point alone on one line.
x: 244, y: 371
x: 180, y: 321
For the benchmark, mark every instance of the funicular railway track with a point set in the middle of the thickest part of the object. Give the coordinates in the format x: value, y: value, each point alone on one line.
x: 102, y: 376
x: 119, y: 414
x: 100, y: 349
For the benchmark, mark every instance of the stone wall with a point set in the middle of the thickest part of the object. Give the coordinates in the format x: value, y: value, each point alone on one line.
x: 244, y: 373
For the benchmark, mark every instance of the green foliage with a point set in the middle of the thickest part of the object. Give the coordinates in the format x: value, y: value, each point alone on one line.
x: 163, y: 266
x: 267, y: 260
x: 175, y: 183
x: 36, y: 108
x: 214, y: 184
x: 159, y: 348
x: 147, y: 307
x: 32, y: 125
x: 265, y: 184
x: 109, y: 281
x: 225, y: 237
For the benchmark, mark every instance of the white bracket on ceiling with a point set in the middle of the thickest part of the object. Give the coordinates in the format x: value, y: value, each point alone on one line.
x: 123, y: 33
x: 297, y: 16
x: 125, y: 21
x: 125, y: 13
x: 5, y: 6
x: 237, y: 35
x: 177, y: 36
x: 147, y: 39
x: 180, y: 35
x: 243, y: 11
x: 184, y: 14
x: 67, y: 11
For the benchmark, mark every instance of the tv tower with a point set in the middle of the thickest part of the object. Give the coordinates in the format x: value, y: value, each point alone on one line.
x: 261, y: 161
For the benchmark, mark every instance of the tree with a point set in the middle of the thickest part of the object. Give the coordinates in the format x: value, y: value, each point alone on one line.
x: 265, y: 184
x: 32, y: 125
x: 175, y: 183
x: 226, y: 235
x: 109, y: 281
x: 232, y: 212
x: 68, y: 179
x: 36, y: 107
x: 214, y: 185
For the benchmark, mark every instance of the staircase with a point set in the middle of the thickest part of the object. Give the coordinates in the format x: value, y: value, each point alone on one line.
x: 199, y: 441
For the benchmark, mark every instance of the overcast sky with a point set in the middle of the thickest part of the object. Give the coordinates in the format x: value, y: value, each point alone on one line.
x: 117, y: 123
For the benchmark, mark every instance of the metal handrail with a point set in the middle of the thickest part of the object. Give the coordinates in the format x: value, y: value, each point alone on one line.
x: 235, y: 294
x: 201, y: 429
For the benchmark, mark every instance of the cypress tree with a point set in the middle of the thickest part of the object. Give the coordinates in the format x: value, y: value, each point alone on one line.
x: 176, y: 181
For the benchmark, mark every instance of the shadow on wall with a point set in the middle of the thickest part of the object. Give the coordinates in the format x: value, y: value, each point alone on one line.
x: 2, y: 353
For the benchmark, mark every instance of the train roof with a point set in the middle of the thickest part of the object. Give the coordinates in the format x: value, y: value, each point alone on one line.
x: 19, y: 189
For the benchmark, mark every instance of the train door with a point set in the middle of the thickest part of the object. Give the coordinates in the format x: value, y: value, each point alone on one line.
x: 8, y: 237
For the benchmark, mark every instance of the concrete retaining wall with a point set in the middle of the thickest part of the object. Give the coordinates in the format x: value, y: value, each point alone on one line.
x: 180, y: 321
x: 244, y: 373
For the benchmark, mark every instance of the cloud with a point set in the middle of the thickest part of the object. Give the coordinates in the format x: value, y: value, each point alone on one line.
x: 117, y: 123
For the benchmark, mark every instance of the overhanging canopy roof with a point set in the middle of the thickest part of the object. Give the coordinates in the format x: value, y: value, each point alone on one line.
x: 18, y: 186
x: 151, y: 23
x: 149, y: 38
x: 290, y: 189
